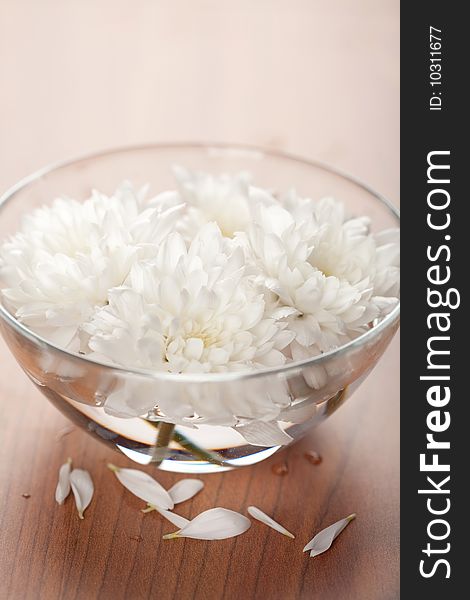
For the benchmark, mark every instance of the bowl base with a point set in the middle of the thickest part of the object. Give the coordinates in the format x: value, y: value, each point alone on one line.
x: 205, y: 449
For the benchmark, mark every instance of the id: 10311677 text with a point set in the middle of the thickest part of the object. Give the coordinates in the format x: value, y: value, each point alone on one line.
x: 435, y: 68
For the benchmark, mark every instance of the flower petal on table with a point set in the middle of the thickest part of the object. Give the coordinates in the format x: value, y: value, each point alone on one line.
x: 259, y: 515
x: 63, y: 485
x: 185, y: 489
x: 323, y: 540
x: 82, y: 488
x: 144, y: 487
x: 177, y: 520
x: 213, y: 524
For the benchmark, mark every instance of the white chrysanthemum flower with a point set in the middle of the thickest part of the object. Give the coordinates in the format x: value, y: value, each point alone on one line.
x: 321, y: 270
x: 227, y: 200
x: 59, y: 268
x: 190, y: 309
x: 346, y: 249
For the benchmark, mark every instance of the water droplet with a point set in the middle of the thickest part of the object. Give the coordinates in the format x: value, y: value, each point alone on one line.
x: 280, y: 469
x: 313, y: 457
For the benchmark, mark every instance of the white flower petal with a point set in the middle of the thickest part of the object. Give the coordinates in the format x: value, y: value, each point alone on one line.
x: 323, y: 540
x: 63, y: 485
x: 258, y: 514
x: 324, y: 265
x: 185, y: 489
x: 177, y: 520
x: 82, y: 488
x: 223, y: 198
x: 203, y: 315
x: 261, y: 433
x: 60, y: 266
x: 213, y: 524
x: 144, y: 487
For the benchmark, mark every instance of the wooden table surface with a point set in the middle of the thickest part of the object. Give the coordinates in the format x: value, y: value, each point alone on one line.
x: 315, y: 78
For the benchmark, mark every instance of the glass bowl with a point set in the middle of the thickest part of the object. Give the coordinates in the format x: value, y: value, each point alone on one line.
x: 305, y: 392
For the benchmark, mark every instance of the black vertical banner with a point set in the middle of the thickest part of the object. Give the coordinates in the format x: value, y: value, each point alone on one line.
x: 435, y: 432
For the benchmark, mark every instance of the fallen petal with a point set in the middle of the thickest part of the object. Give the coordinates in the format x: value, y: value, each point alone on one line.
x: 213, y: 524
x: 144, y: 487
x: 63, y: 485
x: 185, y: 489
x: 177, y: 520
x: 323, y: 540
x: 82, y: 488
x: 258, y: 514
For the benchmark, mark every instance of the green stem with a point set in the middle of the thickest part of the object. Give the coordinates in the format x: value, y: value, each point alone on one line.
x: 201, y: 453
x: 164, y: 437
x: 335, y: 401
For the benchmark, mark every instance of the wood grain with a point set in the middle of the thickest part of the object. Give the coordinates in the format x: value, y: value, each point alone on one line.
x: 315, y: 78
x: 117, y: 552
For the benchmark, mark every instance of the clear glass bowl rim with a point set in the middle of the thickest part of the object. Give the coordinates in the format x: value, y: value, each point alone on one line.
x: 287, y: 368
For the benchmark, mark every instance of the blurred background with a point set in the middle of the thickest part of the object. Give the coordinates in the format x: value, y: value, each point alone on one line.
x: 316, y: 78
